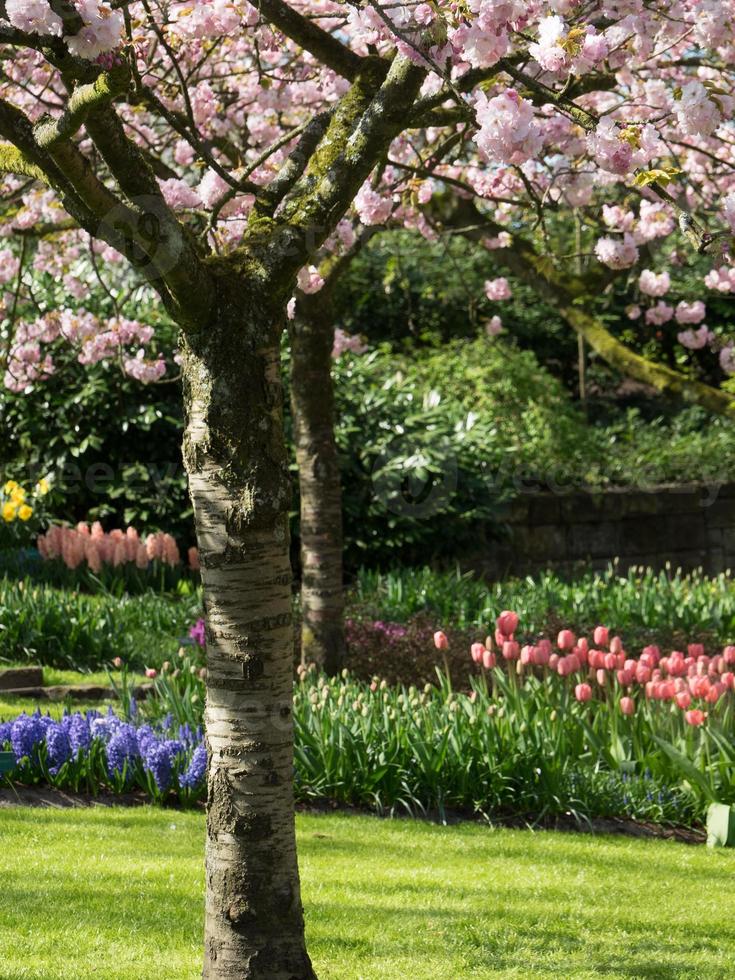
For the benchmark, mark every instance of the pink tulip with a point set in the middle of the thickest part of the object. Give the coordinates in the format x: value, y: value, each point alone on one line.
x: 626, y: 677
x: 507, y: 622
x: 476, y: 651
x: 728, y: 679
x: 601, y: 676
x: 193, y: 555
x: 627, y: 706
x: 117, y: 662
x: 583, y: 646
x: 541, y: 656
x: 553, y: 661
x: 683, y: 700
x: 616, y: 645
x: 611, y: 661
x: 583, y: 692
x: 729, y: 654
x: 440, y: 640
x: 566, y: 640
x: 563, y: 668
x: 715, y: 693
x: 601, y: 636
x: 528, y: 655
x: 695, y: 650
x: 695, y: 717
x: 151, y: 672
x: 488, y: 660
x: 511, y: 650
x: 642, y: 674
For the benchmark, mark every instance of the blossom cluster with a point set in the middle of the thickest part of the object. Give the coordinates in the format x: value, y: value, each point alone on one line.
x: 119, y: 754
x: 690, y: 680
x: 101, y: 32
x: 92, y: 545
x: 96, y: 340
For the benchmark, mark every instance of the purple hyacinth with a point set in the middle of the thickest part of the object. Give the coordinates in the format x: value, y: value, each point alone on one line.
x: 78, y: 733
x: 27, y: 731
x: 157, y: 761
x: 58, y: 748
x: 5, y: 728
x: 196, y: 772
x: 122, y: 748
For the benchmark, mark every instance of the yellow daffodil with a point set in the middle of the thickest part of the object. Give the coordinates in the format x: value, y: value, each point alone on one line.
x: 9, y: 512
x: 18, y: 495
x: 25, y: 513
x: 42, y: 487
x: 10, y: 486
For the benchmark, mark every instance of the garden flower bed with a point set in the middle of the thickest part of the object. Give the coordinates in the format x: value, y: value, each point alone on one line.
x: 571, y: 730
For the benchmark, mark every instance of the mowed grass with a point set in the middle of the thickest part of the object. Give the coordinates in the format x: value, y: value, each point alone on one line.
x: 117, y: 893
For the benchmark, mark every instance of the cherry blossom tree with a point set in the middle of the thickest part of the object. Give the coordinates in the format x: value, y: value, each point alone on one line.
x: 217, y: 146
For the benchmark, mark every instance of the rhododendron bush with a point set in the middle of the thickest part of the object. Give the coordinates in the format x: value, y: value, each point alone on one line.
x: 224, y: 147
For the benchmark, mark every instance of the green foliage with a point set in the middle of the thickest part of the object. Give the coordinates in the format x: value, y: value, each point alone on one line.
x: 431, y: 444
x: 111, y: 443
x: 53, y: 627
x: 530, y: 750
x: 642, y: 602
x: 403, y: 288
x: 434, y: 441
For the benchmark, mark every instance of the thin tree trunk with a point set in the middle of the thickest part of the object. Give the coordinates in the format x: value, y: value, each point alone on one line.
x: 312, y: 406
x: 238, y: 477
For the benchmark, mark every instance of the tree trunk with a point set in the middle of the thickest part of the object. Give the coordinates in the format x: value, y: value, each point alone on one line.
x: 312, y: 407
x: 238, y: 476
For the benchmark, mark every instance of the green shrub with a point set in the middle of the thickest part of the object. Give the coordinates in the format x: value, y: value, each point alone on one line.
x: 644, y: 604
x: 53, y: 627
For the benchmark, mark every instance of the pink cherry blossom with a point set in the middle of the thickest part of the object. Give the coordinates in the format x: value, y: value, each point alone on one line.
x: 653, y: 284
x: 498, y: 289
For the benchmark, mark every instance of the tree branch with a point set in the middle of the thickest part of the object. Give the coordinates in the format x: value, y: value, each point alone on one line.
x: 314, y: 39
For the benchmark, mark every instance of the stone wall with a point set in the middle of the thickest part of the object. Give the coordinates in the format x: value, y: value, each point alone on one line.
x: 688, y: 527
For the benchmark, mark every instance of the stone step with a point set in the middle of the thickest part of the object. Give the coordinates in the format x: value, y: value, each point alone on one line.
x: 73, y: 692
x: 15, y: 677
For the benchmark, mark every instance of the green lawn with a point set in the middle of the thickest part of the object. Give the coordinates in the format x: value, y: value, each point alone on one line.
x: 116, y: 893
